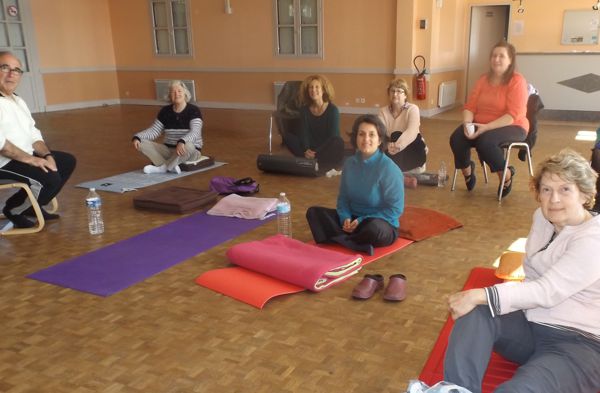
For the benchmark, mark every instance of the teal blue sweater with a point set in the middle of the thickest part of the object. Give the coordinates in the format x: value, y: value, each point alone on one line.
x: 372, y: 188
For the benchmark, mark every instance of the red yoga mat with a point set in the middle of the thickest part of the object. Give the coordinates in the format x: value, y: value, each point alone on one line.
x: 256, y: 289
x: 499, y: 369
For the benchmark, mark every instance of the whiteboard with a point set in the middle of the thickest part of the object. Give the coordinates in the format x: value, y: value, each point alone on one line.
x: 580, y: 27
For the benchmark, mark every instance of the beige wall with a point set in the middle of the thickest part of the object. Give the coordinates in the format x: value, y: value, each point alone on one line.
x: 75, y: 50
x: 234, y: 60
x: 102, y: 49
x: 357, y: 35
x: 73, y: 33
x: 542, y: 23
x: 62, y: 88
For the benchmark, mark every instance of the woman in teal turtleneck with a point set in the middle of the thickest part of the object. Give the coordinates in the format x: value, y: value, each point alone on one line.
x: 371, y: 196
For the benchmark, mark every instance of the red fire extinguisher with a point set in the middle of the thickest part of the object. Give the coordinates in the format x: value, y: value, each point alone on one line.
x: 420, y: 82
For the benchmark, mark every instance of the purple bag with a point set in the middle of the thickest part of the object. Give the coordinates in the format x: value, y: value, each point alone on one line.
x: 228, y: 185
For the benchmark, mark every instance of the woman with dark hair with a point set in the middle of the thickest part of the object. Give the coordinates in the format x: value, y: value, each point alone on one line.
x: 495, y: 113
x: 371, y: 195
x: 319, y: 134
x: 181, y: 124
x: 402, y: 120
x: 550, y: 323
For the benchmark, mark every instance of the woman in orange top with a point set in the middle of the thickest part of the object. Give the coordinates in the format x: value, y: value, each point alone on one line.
x: 497, y: 108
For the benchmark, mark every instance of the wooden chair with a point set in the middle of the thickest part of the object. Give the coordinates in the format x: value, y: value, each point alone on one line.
x: 34, y: 204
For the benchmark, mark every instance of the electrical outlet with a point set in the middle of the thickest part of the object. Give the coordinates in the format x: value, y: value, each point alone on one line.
x: 362, y: 100
x: 357, y: 100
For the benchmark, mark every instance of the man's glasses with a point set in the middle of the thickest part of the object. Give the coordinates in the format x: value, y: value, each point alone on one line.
x: 5, y: 68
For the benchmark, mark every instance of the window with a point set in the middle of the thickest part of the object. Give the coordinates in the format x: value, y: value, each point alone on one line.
x: 299, y: 28
x: 170, y: 27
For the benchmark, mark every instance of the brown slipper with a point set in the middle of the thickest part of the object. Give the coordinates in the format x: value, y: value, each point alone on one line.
x: 370, y: 284
x: 396, y: 289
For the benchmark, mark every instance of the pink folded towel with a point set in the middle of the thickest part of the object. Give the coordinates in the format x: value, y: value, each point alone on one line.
x: 250, y: 208
x: 295, y: 262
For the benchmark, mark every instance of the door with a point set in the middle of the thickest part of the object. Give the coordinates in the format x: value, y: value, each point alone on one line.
x: 16, y: 35
x: 489, y: 24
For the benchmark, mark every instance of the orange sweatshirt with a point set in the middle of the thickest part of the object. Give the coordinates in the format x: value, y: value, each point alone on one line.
x: 489, y: 102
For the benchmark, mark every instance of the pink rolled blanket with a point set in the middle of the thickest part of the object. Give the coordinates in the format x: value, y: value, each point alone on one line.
x: 295, y: 262
x: 249, y: 208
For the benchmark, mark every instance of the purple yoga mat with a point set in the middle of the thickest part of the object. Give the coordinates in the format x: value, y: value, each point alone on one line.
x: 120, y: 265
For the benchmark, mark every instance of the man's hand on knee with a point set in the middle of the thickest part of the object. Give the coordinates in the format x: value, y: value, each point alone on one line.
x: 45, y: 164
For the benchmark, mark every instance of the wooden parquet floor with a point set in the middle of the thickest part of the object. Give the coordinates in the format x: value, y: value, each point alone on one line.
x: 168, y: 335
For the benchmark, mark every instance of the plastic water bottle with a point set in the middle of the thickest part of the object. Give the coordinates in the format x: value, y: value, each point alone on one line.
x: 94, y: 208
x: 442, y: 174
x: 284, y: 216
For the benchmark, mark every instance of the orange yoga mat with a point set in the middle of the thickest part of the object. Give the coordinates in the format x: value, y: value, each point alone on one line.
x: 247, y: 286
x: 499, y: 369
x: 257, y: 289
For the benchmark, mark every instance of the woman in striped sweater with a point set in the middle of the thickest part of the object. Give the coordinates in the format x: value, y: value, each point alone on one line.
x: 181, y: 124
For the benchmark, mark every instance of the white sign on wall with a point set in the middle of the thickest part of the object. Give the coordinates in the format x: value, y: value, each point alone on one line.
x: 580, y: 27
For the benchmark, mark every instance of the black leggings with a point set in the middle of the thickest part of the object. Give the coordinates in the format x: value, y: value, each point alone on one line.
x: 44, y: 185
x: 412, y: 156
x: 324, y: 224
x: 329, y: 154
x: 487, y: 146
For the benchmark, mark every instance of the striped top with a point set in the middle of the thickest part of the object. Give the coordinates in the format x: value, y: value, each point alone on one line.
x: 184, y: 126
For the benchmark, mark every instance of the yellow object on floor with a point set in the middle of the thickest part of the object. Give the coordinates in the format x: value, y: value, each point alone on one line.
x: 510, y: 266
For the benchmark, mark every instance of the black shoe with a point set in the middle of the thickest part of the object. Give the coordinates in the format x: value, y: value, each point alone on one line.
x: 18, y: 220
x: 471, y: 180
x: 47, y: 216
x: 507, y: 187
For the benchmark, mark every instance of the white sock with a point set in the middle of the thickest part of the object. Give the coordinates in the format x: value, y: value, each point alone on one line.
x: 175, y: 169
x: 155, y: 169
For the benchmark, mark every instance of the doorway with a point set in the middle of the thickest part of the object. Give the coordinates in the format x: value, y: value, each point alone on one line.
x: 489, y: 24
x: 16, y: 36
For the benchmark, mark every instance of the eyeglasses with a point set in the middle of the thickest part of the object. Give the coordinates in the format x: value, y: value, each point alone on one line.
x: 5, y: 68
x: 394, y: 91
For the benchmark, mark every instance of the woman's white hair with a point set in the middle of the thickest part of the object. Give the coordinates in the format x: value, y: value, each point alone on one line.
x: 178, y: 83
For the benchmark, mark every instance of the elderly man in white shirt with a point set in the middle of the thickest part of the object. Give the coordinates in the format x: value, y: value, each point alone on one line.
x: 24, y: 156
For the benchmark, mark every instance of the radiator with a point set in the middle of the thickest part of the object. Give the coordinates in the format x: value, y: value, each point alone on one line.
x: 161, y: 87
x: 277, y: 86
x: 447, y: 94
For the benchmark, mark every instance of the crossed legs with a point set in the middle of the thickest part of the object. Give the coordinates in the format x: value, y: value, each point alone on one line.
x: 165, y: 158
